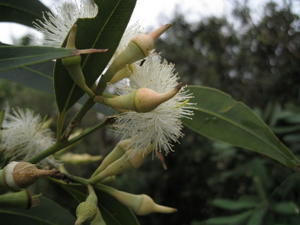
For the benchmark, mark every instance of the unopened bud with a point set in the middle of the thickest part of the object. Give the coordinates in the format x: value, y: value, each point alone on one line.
x: 126, y: 71
x: 126, y: 161
x: 141, y: 100
x: 17, y: 175
x: 138, y: 48
x: 115, y: 154
x: 146, y: 99
x: 21, y: 199
x: 87, y: 210
x: 141, y: 204
x: 73, y: 63
x: 78, y: 159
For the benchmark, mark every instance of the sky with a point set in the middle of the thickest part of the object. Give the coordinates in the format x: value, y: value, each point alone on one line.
x: 150, y: 13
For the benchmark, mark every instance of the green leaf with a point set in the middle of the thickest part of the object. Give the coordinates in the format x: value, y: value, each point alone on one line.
x: 230, y: 220
x: 23, y: 12
x: 47, y: 213
x: 235, y: 205
x: 286, y: 208
x: 38, y: 76
x: 104, y: 32
x: 13, y: 57
x: 257, y: 217
x: 218, y: 116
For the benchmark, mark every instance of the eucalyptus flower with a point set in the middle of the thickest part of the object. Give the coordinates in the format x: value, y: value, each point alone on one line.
x: 56, y: 25
x: 162, y: 126
x: 24, y: 134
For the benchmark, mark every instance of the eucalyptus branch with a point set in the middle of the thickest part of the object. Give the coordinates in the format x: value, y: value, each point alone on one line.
x: 78, y: 117
x: 87, y: 105
x: 64, y: 143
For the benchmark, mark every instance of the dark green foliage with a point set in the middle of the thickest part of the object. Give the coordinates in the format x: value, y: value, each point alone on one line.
x: 48, y: 212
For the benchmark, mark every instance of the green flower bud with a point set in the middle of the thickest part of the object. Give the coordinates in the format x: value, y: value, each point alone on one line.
x: 18, y: 175
x: 126, y: 161
x: 21, y: 199
x: 141, y: 204
x: 87, y: 210
x: 115, y: 154
x: 78, y: 159
x: 138, y: 48
x: 140, y: 100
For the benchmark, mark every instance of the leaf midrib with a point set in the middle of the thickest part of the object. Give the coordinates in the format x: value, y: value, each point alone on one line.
x: 243, y: 128
x: 101, y: 31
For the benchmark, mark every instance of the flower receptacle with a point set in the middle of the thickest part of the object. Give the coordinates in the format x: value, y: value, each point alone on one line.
x: 141, y: 100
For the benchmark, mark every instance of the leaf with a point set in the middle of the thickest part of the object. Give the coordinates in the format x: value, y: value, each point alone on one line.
x: 47, y: 213
x: 286, y: 208
x: 104, y: 32
x: 218, y: 116
x: 38, y: 76
x: 13, y: 57
x: 230, y: 220
x: 23, y: 12
x: 257, y: 217
x: 234, y: 205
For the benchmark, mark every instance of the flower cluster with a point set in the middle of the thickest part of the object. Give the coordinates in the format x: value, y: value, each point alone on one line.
x: 160, y: 127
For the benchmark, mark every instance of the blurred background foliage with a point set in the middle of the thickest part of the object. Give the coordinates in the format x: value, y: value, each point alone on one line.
x: 210, y: 182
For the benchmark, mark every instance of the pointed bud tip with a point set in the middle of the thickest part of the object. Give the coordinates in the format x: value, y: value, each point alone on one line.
x: 159, y: 31
x: 78, y: 222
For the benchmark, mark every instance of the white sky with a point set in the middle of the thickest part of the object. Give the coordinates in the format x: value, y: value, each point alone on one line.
x: 150, y: 13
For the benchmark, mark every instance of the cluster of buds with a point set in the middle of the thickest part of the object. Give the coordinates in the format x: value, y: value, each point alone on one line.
x: 119, y: 159
x: 138, y: 48
x: 143, y: 99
